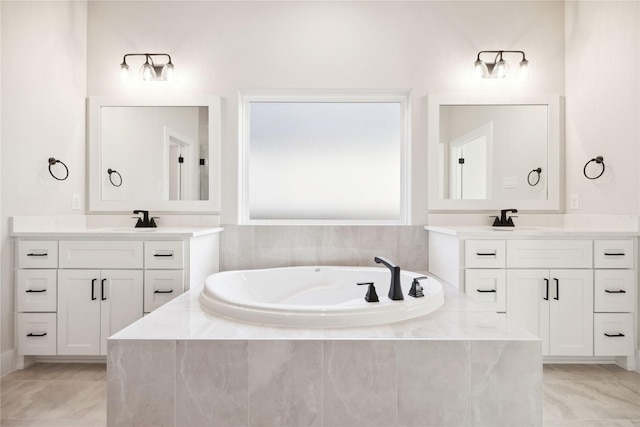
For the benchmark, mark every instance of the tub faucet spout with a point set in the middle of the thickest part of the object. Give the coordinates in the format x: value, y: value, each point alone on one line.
x: 395, y: 291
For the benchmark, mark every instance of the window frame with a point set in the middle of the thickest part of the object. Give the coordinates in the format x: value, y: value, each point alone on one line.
x: 402, y: 97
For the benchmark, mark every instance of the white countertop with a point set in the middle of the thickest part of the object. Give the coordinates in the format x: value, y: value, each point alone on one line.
x: 530, y: 231
x: 160, y: 232
x: 460, y: 318
x: 80, y: 226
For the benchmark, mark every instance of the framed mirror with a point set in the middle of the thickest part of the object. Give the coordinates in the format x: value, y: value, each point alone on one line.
x: 494, y: 152
x: 157, y: 154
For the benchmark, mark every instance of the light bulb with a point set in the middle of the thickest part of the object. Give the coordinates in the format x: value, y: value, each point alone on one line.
x: 501, y: 69
x: 525, y: 70
x: 168, y: 72
x: 124, y: 75
x: 480, y: 69
x: 148, y: 73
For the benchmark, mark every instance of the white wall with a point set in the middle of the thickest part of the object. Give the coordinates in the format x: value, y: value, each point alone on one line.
x: 43, y: 115
x: 224, y: 47
x: 603, y: 104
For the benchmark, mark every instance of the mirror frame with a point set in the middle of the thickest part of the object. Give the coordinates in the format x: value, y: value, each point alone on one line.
x: 555, y: 132
x: 96, y: 204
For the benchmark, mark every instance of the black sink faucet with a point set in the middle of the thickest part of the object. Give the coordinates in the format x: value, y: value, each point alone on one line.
x: 145, y: 221
x: 395, y: 291
x: 503, y: 221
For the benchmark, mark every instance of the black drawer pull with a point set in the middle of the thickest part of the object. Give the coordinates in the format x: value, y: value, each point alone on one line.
x: 486, y: 253
x: 93, y: 289
x: 157, y: 291
x: 621, y: 291
x: 35, y: 290
x: 557, y: 297
x: 614, y: 254
x: 31, y: 334
x: 163, y: 255
x: 31, y: 254
x: 485, y: 290
x: 102, y: 297
x: 613, y: 335
x: 546, y: 297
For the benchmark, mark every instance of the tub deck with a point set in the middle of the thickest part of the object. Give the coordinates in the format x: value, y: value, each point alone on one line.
x: 458, y: 366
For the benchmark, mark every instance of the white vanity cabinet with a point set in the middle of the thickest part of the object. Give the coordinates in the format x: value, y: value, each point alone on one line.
x: 93, y: 305
x: 75, y: 289
x: 555, y: 305
x: 164, y: 273
x: 615, y: 297
x: 576, y: 291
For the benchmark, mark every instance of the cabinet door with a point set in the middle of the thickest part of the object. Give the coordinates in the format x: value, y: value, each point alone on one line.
x: 528, y: 302
x: 78, y: 312
x: 487, y: 286
x: 571, y: 313
x: 121, y: 300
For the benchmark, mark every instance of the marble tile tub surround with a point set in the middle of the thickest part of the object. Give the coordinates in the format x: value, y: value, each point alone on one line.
x: 250, y: 247
x: 458, y: 366
x: 324, y: 383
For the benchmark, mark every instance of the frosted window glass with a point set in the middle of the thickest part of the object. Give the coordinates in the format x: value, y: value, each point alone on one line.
x: 325, y: 160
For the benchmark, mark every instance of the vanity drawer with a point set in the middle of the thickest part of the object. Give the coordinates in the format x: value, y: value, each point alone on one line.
x: 549, y: 253
x: 613, y: 334
x: 161, y: 286
x: 164, y: 254
x: 37, y: 290
x: 613, y: 253
x: 37, y: 254
x: 101, y: 254
x: 37, y: 334
x: 614, y: 291
x: 487, y: 286
x: 484, y: 254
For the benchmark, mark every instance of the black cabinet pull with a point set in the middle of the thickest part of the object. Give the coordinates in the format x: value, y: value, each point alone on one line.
x: 31, y: 334
x: 557, y: 297
x: 102, y: 289
x: 546, y: 297
x: 613, y: 335
x: 486, y: 290
x: 43, y: 254
x: 614, y: 254
x: 93, y: 289
x: 486, y: 253
x: 35, y: 290
x: 163, y: 255
x: 621, y: 291
x: 157, y: 291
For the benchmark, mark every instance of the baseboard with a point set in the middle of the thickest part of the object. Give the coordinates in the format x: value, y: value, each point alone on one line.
x: 629, y: 363
x: 579, y: 360
x: 71, y: 359
x: 7, y: 362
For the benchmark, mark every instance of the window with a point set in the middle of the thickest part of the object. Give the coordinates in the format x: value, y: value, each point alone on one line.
x: 324, y: 159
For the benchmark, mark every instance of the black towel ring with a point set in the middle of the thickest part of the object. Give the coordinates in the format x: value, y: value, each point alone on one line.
x: 599, y: 160
x: 538, y: 171
x: 111, y: 172
x: 52, y: 162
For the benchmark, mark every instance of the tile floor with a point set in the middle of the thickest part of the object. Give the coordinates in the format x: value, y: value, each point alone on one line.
x: 74, y: 395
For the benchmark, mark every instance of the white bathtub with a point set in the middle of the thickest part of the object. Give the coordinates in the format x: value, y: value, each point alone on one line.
x: 323, y: 297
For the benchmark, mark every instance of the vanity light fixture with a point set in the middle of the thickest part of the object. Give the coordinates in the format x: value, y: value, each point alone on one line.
x: 499, y: 68
x: 150, y: 70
